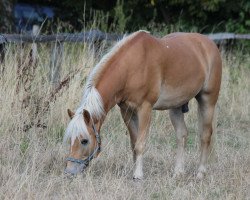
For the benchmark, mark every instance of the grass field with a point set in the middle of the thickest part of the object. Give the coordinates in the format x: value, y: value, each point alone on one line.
x: 32, y: 126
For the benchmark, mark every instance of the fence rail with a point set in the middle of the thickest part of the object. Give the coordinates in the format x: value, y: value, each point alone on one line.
x: 89, y: 36
x: 218, y: 37
x: 93, y: 37
x: 26, y: 70
x: 96, y: 35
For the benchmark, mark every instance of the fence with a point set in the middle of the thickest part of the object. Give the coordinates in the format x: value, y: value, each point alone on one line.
x: 93, y: 37
x: 23, y: 85
x: 90, y: 36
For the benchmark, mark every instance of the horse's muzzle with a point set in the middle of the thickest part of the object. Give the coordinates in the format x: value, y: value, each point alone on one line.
x: 74, y: 169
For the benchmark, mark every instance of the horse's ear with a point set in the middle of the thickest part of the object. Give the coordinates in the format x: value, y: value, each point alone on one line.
x: 70, y: 113
x: 86, y: 117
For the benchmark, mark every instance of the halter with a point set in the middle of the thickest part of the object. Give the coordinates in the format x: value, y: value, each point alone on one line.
x: 86, y: 161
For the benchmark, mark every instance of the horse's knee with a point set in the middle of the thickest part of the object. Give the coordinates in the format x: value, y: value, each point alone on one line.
x: 139, y: 148
x: 182, y: 137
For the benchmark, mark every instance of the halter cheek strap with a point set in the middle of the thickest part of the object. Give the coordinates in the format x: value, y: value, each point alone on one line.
x: 86, y: 161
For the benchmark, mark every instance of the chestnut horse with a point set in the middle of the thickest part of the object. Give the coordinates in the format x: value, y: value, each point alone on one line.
x: 144, y: 73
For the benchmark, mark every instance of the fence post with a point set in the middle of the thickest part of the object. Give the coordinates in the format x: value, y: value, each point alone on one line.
x: 2, y: 52
x: 33, y: 51
x: 55, y: 63
x: 2, y: 56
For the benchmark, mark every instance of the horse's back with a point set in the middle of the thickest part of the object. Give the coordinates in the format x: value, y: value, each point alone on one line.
x: 190, y: 64
x: 169, y: 71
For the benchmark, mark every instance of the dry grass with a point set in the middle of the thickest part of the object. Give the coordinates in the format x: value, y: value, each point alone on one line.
x: 32, y: 160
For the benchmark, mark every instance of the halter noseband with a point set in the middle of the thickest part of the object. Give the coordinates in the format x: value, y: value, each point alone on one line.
x: 86, y: 161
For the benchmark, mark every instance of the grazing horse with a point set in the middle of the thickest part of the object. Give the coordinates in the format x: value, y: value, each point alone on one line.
x: 144, y: 73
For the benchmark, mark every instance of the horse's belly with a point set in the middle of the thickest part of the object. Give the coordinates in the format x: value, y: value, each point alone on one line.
x: 173, y: 98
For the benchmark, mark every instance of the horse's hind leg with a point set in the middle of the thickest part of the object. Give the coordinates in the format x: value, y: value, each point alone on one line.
x: 206, y: 106
x: 177, y: 119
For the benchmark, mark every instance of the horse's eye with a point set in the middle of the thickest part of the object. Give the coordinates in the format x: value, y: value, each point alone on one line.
x: 84, y: 141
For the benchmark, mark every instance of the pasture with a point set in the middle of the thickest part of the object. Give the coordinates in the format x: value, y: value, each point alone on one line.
x: 34, y: 116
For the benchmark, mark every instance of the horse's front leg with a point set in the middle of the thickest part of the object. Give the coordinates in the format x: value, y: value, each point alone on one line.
x: 144, y: 117
x: 138, y: 122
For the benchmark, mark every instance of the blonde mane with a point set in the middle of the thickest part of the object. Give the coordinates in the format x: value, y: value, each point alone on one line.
x: 94, y: 75
x: 91, y: 99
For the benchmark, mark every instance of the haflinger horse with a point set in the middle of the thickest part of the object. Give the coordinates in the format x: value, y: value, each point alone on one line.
x: 144, y: 73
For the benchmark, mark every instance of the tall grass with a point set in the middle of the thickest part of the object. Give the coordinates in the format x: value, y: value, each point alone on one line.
x: 32, y: 154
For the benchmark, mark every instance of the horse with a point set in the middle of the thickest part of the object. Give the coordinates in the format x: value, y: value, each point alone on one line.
x: 142, y: 73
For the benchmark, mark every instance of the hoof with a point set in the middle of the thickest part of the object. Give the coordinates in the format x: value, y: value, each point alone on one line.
x: 138, y: 175
x: 178, y: 175
x: 179, y: 172
x: 200, y: 175
x: 137, y: 178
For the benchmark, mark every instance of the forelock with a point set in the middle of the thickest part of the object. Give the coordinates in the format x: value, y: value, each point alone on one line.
x: 76, y: 127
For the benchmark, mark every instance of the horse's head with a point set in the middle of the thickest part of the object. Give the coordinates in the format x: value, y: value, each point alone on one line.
x: 84, y: 142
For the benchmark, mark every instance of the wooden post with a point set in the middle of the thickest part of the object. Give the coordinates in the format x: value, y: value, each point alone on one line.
x: 55, y: 63
x: 2, y: 52
x: 33, y: 51
x: 2, y: 56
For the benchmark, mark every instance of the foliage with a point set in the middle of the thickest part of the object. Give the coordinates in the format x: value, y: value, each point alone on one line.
x: 32, y: 160
x: 189, y: 15
x: 119, y: 17
x: 6, y: 18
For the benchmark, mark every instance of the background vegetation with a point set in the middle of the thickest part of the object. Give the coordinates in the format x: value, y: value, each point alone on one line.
x: 32, y: 120
x: 118, y: 15
x: 32, y: 157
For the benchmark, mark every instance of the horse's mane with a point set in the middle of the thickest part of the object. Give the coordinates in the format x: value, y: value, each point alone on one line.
x: 100, y: 67
x: 91, y: 99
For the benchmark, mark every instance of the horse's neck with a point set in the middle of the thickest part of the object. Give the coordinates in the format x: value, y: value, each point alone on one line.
x: 111, y: 79
x: 110, y: 86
